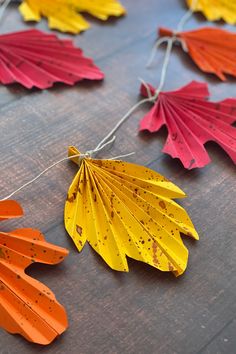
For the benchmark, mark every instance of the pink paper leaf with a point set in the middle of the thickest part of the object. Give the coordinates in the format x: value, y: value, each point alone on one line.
x: 37, y: 59
x: 192, y: 121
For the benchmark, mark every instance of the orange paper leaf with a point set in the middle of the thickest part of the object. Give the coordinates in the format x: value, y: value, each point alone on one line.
x: 27, y: 307
x: 212, y: 49
x: 10, y: 209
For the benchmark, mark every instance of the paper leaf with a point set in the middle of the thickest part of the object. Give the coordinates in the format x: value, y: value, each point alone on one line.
x: 212, y: 49
x: 34, y: 58
x: 101, y: 9
x: 27, y: 307
x: 64, y: 16
x: 9, y: 209
x: 191, y: 122
x: 215, y: 10
x: 123, y: 209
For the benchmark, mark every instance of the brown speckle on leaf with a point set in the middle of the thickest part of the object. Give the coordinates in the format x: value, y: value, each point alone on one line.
x: 174, y: 136
x: 191, y: 163
x: 72, y: 198
x: 155, y: 247
x: 162, y: 204
x: 79, y: 229
x: 2, y: 255
x: 171, y: 268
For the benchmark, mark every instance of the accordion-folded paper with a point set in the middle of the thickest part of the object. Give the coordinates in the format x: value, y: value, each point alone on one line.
x: 64, y: 15
x: 212, y: 49
x: 123, y: 209
x: 37, y: 59
x: 27, y: 307
x: 191, y: 122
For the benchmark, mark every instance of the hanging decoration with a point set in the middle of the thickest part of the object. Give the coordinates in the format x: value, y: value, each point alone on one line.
x: 37, y: 59
x: 123, y: 209
x: 211, y: 49
x: 27, y: 307
x: 215, y: 10
x: 64, y: 15
x: 191, y: 121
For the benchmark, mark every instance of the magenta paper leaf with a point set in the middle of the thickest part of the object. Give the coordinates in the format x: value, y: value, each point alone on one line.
x: 192, y: 121
x: 37, y: 59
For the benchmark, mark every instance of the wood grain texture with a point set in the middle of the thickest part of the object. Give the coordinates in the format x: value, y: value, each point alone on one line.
x: 144, y: 311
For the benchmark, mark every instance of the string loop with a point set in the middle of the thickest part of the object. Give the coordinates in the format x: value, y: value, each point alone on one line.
x: 174, y: 38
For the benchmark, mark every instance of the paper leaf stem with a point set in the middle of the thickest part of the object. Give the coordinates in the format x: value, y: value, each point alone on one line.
x: 123, y: 209
x: 37, y: 59
x: 64, y: 16
x: 215, y: 10
x: 212, y: 49
x: 27, y: 307
x: 191, y: 122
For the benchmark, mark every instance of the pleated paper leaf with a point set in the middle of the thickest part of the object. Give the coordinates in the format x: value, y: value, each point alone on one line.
x: 216, y: 9
x: 212, y: 49
x: 64, y: 16
x: 27, y: 307
x: 10, y: 209
x: 191, y: 122
x: 123, y: 210
x: 33, y: 58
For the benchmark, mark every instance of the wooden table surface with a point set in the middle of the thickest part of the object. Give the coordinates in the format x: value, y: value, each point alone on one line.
x: 143, y: 311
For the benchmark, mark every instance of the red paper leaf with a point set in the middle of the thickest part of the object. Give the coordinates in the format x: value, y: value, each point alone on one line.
x: 191, y: 122
x: 33, y: 58
x: 212, y: 49
x: 27, y: 307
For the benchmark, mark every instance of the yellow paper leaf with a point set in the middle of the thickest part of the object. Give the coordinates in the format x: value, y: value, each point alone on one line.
x: 101, y: 9
x: 64, y: 16
x: 123, y: 209
x: 216, y: 9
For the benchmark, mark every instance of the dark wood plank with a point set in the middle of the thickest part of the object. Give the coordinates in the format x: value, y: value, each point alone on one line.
x: 144, y: 311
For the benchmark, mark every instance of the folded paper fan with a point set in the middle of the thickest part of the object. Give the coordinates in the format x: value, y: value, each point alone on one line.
x: 36, y: 59
x: 212, y: 49
x: 64, y: 16
x: 191, y: 122
x: 123, y: 209
x: 216, y: 9
x: 27, y: 307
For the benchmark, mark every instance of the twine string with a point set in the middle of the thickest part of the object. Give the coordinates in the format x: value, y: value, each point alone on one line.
x: 39, y: 175
x: 175, y: 39
x: 80, y: 156
x: 155, y: 47
x: 187, y: 16
x: 121, y: 121
x: 3, y: 7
